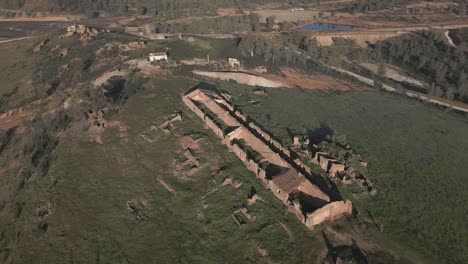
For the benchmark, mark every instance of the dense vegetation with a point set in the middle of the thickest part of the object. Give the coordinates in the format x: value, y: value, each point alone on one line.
x: 229, y: 24
x: 427, y: 55
x: 77, y: 200
x: 159, y: 8
x: 416, y: 157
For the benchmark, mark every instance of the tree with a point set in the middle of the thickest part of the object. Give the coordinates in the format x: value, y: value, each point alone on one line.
x: 270, y: 21
x: 461, y: 8
x: 381, y: 70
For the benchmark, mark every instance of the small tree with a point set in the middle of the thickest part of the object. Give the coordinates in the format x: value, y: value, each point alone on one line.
x: 461, y: 8
x: 381, y: 70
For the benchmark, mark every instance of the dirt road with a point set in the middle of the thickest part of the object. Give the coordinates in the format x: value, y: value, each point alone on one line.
x: 15, y: 39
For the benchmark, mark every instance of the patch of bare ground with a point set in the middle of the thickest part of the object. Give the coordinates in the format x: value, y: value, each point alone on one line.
x: 369, y: 246
x: 394, y: 73
x: 188, y: 142
x: 146, y: 67
x: 320, y: 82
x: 254, y: 199
x: 13, y: 118
x: 97, y: 125
x: 427, y: 4
x: 364, y: 242
x: 107, y: 75
x: 264, y: 254
x: 189, y: 162
x: 288, y: 231
x: 166, y: 186
x: 38, y: 19
x: 227, y: 11
x: 229, y: 181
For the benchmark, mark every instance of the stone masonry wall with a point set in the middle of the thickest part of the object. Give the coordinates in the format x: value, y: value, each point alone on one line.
x: 329, y: 212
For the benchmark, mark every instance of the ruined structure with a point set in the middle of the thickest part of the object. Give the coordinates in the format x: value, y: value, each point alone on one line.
x: 288, y: 179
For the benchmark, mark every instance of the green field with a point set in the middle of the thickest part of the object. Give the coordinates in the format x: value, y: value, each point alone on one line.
x: 417, y: 158
x: 65, y: 198
x: 89, y: 185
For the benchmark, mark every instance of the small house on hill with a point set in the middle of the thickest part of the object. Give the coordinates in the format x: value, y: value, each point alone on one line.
x: 157, y: 56
x: 233, y: 62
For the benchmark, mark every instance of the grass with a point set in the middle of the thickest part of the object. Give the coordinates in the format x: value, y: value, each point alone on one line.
x: 201, y: 44
x: 90, y: 184
x: 16, y: 72
x: 417, y: 158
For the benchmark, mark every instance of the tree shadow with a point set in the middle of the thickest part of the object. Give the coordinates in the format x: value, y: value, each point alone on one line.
x: 319, y: 134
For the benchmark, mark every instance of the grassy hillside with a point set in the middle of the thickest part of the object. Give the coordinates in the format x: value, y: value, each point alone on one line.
x: 89, y: 186
x: 417, y: 157
x: 87, y: 176
x: 66, y: 197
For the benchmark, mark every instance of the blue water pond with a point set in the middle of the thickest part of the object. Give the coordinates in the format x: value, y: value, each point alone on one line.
x: 325, y: 26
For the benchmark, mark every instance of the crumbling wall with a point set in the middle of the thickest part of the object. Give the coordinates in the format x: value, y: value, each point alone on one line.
x: 258, y: 145
x: 336, y: 167
x: 329, y: 212
x: 226, y: 104
x: 222, y: 113
x: 241, y: 116
x: 239, y: 152
x: 283, y: 188
x: 262, y: 175
x: 269, y: 139
x: 217, y: 130
x: 283, y: 196
x: 188, y: 102
x: 253, y: 166
x: 324, y: 163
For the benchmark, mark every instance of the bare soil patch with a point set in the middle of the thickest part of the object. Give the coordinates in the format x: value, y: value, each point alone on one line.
x: 166, y: 186
x: 394, y: 73
x: 107, y: 75
x: 147, y: 68
x: 321, y: 82
x: 13, y: 118
x: 188, y: 142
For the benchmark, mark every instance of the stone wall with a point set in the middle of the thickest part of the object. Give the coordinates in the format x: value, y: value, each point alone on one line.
x: 329, y: 212
x: 212, y: 125
x: 283, y: 196
x: 269, y: 139
x: 188, y: 102
x: 222, y: 113
x: 258, y: 145
x: 263, y: 145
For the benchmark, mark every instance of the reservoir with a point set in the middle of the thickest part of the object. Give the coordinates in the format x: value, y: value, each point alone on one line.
x: 325, y: 26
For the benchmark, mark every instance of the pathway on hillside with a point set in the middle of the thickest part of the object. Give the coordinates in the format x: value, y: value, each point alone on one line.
x: 441, y: 102
x: 15, y: 39
x: 427, y: 98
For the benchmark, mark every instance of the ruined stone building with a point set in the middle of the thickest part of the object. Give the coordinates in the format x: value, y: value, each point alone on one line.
x: 272, y: 162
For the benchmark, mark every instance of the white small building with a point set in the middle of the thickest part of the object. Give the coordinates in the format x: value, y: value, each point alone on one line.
x: 158, y: 56
x: 233, y: 62
x: 296, y: 9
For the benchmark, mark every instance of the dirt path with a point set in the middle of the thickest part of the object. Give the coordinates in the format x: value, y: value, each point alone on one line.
x: 319, y: 81
x: 166, y: 186
x: 242, y: 77
x: 107, y: 75
x: 449, y: 39
x: 438, y: 101
x: 15, y: 39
